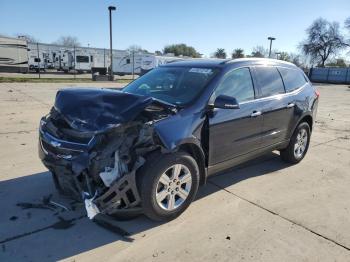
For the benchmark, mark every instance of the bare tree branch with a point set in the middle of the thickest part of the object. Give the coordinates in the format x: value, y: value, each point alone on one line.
x: 324, y: 40
x: 69, y: 41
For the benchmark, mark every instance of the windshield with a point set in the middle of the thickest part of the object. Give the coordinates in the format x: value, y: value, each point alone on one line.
x: 175, y: 85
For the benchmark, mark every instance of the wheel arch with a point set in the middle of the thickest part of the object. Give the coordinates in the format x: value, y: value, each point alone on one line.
x: 306, y: 118
x: 197, y: 153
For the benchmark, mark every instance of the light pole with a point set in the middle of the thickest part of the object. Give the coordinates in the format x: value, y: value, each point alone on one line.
x: 271, y: 39
x: 110, y: 8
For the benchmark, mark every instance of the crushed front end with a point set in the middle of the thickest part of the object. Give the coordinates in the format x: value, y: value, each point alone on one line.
x: 94, y: 151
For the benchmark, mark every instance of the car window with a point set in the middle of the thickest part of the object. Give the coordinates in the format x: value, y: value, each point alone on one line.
x: 270, y: 81
x: 238, y: 84
x: 293, y: 79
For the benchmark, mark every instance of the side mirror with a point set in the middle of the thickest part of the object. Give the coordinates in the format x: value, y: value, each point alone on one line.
x: 226, y: 102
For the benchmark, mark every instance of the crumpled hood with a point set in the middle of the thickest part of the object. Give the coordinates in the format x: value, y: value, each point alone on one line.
x: 96, y: 110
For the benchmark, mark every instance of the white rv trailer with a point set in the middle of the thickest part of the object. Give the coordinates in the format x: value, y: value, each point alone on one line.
x: 67, y: 61
x: 99, y: 58
x: 57, y: 59
x: 125, y: 63
x: 38, y: 60
x: 151, y: 61
x: 84, y: 59
x: 13, y: 55
x: 50, y: 55
x: 43, y: 55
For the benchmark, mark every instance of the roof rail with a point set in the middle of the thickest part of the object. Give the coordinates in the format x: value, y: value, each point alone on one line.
x: 225, y: 61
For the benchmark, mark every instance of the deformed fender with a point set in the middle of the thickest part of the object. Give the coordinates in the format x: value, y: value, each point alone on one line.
x: 180, y: 129
x: 184, y: 131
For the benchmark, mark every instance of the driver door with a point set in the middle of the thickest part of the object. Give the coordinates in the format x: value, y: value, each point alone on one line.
x: 235, y: 132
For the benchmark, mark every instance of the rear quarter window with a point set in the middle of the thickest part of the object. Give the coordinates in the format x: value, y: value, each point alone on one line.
x: 269, y: 80
x: 293, y: 79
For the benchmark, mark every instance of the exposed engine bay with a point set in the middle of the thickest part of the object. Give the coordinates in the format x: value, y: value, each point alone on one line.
x: 94, y: 141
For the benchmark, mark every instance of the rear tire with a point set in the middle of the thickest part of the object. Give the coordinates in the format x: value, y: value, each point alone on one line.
x: 298, y: 144
x: 168, y: 185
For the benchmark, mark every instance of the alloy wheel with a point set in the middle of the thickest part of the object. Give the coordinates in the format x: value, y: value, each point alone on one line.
x: 300, y: 143
x: 173, y: 187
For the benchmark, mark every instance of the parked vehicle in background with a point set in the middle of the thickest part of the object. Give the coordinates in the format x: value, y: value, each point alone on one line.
x: 150, y: 61
x: 148, y: 147
x: 125, y: 63
x: 82, y: 60
x: 13, y: 55
x: 100, y: 59
x: 57, y: 60
x: 35, y: 62
x: 41, y: 56
x: 67, y: 61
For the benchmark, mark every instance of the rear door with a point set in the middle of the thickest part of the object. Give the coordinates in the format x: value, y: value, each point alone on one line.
x: 293, y: 80
x: 234, y: 132
x: 274, y: 103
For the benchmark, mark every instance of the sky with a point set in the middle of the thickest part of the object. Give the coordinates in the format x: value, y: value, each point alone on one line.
x: 152, y: 24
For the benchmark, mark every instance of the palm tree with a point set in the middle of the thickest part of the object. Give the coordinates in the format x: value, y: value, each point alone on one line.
x: 220, y: 53
x: 238, y: 53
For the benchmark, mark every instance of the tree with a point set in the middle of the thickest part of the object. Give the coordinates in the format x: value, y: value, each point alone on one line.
x: 324, y: 40
x: 158, y: 52
x: 259, y: 51
x: 237, y: 53
x: 220, y: 53
x: 284, y: 56
x: 69, y: 41
x: 347, y: 23
x: 295, y: 59
x: 340, y: 62
x: 136, y: 49
x: 29, y: 38
x: 347, y: 26
x: 181, y: 50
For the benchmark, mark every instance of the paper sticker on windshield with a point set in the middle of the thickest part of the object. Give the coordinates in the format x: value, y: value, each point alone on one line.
x: 201, y: 70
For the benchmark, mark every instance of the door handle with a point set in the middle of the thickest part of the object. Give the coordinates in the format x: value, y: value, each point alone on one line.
x: 290, y: 105
x: 255, y: 114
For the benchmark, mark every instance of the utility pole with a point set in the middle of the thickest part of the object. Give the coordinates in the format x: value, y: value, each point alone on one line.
x: 104, y: 57
x: 74, y: 59
x: 37, y: 48
x: 133, y: 64
x: 271, y: 39
x: 111, y: 8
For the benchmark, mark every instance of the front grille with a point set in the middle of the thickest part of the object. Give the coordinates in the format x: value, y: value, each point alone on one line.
x: 57, y: 151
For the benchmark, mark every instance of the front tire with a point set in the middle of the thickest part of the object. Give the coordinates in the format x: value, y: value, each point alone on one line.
x: 169, y: 184
x: 298, y: 144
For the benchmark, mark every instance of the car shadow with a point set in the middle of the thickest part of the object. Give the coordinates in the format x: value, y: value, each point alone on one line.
x: 31, y: 231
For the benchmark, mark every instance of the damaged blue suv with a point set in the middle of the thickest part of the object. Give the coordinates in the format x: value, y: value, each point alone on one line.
x: 148, y: 147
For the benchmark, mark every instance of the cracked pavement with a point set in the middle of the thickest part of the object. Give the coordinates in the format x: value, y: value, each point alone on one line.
x: 263, y: 210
